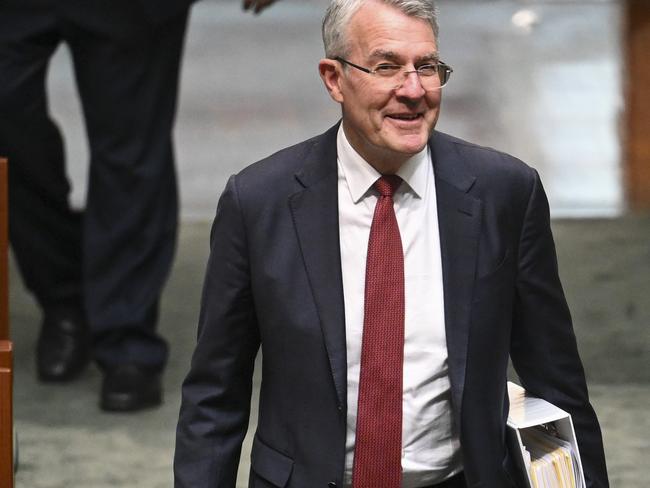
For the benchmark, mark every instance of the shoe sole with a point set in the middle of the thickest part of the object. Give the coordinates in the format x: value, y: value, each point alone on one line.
x: 126, y: 403
x: 70, y: 375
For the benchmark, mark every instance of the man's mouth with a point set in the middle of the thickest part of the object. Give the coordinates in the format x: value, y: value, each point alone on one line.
x: 404, y: 116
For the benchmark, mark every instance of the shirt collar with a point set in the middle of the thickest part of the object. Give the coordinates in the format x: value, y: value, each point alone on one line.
x: 360, y: 175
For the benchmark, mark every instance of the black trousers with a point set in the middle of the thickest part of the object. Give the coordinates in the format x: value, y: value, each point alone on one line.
x: 456, y: 481
x: 114, y: 257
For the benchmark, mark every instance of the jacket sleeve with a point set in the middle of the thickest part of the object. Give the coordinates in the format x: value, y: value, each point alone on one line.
x: 543, y: 349
x: 216, y: 393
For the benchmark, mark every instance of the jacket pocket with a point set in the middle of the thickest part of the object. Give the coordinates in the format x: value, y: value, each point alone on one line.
x: 502, y: 263
x: 490, y: 283
x: 270, y: 464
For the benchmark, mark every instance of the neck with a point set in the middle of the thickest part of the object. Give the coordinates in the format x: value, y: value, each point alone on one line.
x: 384, y: 160
x: 387, y: 168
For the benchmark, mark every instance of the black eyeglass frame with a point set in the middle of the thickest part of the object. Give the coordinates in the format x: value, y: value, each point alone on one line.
x: 447, y: 70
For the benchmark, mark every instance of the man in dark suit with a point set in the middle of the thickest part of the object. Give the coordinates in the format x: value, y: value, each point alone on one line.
x: 388, y: 271
x: 107, y: 267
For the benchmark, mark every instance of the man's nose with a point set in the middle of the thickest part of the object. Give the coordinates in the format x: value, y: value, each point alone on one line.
x: 411, y: 86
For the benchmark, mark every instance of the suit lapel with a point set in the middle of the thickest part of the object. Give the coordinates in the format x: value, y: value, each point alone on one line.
x: 315, y: 214
x: 314, y: 208
x: 459, y: 220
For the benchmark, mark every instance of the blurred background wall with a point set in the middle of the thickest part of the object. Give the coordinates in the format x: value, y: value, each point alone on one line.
x: 538, y: 79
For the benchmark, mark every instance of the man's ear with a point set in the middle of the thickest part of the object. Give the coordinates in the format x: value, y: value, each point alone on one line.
x: 330, y: 73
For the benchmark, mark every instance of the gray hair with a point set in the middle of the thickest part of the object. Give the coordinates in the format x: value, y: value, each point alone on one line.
x: 339, y: 13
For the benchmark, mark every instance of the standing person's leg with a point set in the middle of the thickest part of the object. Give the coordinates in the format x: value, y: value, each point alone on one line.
x: 45, y: 232
x: 128, y: 80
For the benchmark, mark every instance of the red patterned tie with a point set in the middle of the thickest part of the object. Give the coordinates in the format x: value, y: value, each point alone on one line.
x: 378, y: 447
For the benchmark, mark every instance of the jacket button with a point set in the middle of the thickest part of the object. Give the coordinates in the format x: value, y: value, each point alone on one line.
x: 331, y: 484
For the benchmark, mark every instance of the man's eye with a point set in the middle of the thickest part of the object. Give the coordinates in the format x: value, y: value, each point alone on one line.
x: 387, y: 69
x: 428, y: 69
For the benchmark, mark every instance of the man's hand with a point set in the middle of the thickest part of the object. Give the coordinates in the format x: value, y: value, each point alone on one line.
x: 257, y: 5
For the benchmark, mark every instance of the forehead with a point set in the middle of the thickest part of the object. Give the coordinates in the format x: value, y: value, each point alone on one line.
x: 380, y: 28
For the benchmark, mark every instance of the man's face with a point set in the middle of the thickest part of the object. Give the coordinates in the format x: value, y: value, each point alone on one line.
x: 386, y: 125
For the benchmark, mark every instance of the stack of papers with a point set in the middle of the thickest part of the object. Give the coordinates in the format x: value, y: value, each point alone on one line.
x: 550, y: 460
x: 543, y: 442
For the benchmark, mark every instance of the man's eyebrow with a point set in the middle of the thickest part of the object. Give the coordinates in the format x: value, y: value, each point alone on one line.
x: 434, y: 56
x: 396, y: 58
x: 384, y: 54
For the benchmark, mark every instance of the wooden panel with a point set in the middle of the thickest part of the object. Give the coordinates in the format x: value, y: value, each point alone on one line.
x: 6, y: 350
x: 4, y: 271
x: 637, y: 117
x: 6, y: 416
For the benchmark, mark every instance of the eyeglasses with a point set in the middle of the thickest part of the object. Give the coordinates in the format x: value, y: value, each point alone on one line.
x: 433, y: 76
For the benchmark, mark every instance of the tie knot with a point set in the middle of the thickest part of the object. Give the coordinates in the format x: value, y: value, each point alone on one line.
x: 387, y: 184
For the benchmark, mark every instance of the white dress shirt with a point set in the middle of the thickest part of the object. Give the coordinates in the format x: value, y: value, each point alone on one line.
x: 430, y: 445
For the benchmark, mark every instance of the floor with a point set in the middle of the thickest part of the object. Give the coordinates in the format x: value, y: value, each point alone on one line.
x: 66, y: 441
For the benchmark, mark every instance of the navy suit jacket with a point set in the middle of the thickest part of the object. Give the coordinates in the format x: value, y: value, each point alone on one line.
x: 274, y: 278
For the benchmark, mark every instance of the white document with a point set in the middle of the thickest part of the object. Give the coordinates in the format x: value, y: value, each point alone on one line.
x: 543, y: 441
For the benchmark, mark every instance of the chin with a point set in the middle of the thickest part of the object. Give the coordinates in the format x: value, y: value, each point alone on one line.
x: 411, y: 146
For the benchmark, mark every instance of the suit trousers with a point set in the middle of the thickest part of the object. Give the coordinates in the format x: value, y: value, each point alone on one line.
x: 114, y: 257
x: 456, y: 481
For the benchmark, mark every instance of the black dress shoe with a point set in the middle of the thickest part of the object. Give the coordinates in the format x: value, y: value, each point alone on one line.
x: 63, y: 347
x: 130, y: 387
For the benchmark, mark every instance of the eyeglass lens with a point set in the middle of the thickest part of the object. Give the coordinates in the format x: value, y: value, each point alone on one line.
x: 432, y: 82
